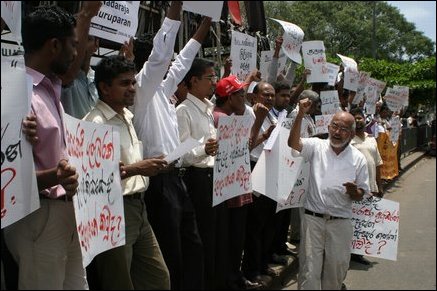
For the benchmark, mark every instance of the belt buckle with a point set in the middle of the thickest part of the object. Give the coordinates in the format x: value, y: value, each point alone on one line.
x: 327, y: 216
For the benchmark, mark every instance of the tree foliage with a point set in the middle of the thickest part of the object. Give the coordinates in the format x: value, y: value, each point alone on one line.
x: 346, y: 27
x: 404, y: 56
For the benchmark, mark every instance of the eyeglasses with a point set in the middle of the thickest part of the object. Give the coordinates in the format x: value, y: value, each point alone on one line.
x: 211, y: 78
x: 335, y: 127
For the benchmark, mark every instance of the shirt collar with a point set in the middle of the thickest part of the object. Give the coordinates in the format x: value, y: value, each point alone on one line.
x: 37, y: 77
x: 202, y: 105
x: 109, y: 113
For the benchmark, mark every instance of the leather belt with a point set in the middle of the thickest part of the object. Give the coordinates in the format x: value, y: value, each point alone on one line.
x: 138, y: 195
x: 325, y: 216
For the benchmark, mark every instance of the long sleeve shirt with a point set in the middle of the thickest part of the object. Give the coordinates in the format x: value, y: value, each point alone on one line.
x: 156, y: 121
x: 195, y: 119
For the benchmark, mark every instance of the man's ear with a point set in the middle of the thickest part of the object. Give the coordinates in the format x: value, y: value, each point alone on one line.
x: 104, y: 88
x: 55, y: 45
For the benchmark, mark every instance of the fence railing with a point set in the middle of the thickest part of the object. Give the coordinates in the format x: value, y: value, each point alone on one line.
x: 415, y: 138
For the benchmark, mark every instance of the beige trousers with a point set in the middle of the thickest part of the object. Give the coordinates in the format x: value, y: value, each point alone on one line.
x: 324, y: 253
x: 46, y: 247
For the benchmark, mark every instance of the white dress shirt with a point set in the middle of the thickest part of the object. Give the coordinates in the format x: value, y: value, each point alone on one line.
x: 150, y: 76
x: 256, y: 152
x: 329, y: 171
x: 155, y: 120
x: 131, y: 148
x: 195, y: 120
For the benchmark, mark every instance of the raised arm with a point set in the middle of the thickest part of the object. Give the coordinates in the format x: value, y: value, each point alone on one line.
x: 88, y: 11
x: 294, y: 139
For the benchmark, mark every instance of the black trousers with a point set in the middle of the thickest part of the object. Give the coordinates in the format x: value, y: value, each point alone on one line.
x: 213, y: 226
x: 259, y: 236
x: 237, y: 238
x: 172, y: 217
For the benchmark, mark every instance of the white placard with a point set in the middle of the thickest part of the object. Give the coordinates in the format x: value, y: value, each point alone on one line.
x: 322, y: 122
x: 292, y: 40
x: 376, y: 228
x: 298, y: 194
x: 243, y: 54
x: 315, y: 59
x: 266, y: 59
x: 361, y: 87
x: 11, y: 14
x: 19, y: 193
x: 351, y: 74
x: 277, y: 170
x: 116, y: 21
x: 94, y: 149
x: 330, y: 102
x: 232, y: 163
x: 332, y: 73
x: 212, y: 9
x: 189, y: 144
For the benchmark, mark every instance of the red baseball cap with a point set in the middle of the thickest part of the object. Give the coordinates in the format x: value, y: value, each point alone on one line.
x: 227, y: 86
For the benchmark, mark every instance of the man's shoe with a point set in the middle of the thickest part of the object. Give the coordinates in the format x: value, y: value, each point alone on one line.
x: 280, y: 259
x: 249, y: 285
x: 360, y: 259
x: 264, y: 280
x: 343, y: 286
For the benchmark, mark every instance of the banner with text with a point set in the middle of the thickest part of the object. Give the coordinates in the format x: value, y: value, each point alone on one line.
x: 376, y: 228
x: 232, y: 163
x: 116, y: 21
x: 94, y: 149
x: 19, y: 193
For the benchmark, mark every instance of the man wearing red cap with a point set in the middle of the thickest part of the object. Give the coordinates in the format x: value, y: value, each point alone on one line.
x: 230, y: 100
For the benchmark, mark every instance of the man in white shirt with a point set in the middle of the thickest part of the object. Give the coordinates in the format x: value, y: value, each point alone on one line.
x: 195, y: 120
x: 170, y: 209
x: 338, y: 175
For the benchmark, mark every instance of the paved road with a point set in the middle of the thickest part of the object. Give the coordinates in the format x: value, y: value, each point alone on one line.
x: 415, y: 268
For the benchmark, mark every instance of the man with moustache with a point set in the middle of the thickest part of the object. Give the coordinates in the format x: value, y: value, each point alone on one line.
x: 338, y: 176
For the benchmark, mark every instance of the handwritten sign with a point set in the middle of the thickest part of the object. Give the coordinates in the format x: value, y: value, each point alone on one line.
x: 94, y: 149
x: 361, y: 87
x: 292, y: 40
x: 266, y: 59
x: 212, y: 9
x: 19, y: 192
x: 395, y: 98
x: 11, y: 14
x: 330, y: 102
x: 396, y: 126
x: 232, y: 163
x: 116, y: 21
x: 243, y: 54
x: 403, y: 91
x: 351, y: 74
x: 298, y: 193
x: 322, y: 122
x: 332, y: 73
x: 376, y: 227
x: 315, y: 59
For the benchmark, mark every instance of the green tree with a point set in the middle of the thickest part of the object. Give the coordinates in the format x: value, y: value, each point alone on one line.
x: 346, y: 27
